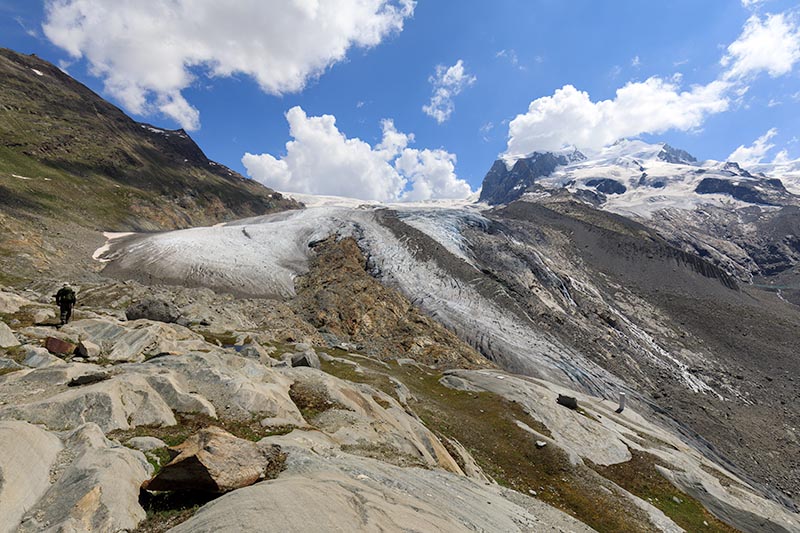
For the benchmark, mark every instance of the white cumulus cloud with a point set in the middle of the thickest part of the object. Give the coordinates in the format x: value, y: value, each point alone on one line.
x: 755, y: 153
x: 570, y: 117
x: 770, y: 44
x: 148, y: 52
x: 447, y: 83
x: 320, y: 159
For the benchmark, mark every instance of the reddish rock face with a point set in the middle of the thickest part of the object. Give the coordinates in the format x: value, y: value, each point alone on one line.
x: 59, y: 347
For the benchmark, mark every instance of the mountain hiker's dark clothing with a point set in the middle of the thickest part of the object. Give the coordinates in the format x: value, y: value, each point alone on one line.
x: 65, y: 298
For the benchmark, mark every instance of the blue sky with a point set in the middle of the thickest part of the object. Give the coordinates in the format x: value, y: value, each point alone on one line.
x: 378, y: 64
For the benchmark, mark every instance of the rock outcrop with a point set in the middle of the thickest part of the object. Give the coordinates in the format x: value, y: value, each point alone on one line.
x: 213, y: 460
x: 7, y: 338
x: 28, y: 453
x: 97, y: 487
x: 153, y: 309
x: 367, y: 495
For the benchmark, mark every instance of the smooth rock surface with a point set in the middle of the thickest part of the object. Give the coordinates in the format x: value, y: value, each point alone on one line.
x: 120, y: 403
x: 97, y: 491
x: 26, y: 455
x: 353, y: 494
x: 38, y: 357
x: 7, y: 338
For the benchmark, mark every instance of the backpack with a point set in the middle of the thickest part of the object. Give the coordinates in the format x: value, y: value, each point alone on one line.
x: 66, y: 296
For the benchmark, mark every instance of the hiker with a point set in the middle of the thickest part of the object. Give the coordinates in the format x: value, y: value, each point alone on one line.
x: 65, y: 298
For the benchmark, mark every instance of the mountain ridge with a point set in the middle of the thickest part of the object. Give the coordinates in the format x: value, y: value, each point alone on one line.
x: 76, y: 164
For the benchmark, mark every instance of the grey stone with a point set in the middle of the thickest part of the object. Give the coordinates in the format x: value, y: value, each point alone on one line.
x: 567, y: 401
x: 145, y: 444
x: 43, y: 315
x: 38, y: 357
x: 7, y: 338
x: 88, y: 349
x: 153, y: 309
x: 6, y: 364
x: 308, y: 358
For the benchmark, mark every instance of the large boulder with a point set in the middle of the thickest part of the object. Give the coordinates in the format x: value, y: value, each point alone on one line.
x: 153, y: 309
x: 39, y: 357
x: 7, y: 338
x: 58, y: 346
x: 28, y: 453
x: 120, y: 403
x: 213, y: 460
x: 307, y: 358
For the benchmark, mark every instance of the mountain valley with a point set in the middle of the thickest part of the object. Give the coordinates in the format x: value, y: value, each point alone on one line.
x: 326, y: 363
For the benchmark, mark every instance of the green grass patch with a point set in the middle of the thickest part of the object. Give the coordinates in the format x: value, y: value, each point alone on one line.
x: 312, y: 400
x: 220, y: 339
x: 189, y: 424
x: 485, y: 424
x: 640, y: 477
x: 15, y: 353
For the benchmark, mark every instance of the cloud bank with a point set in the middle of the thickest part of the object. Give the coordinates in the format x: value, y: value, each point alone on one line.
x: 569, y: 116
x: 148, y: 52
x: 320, y: 159
x: 447, y: 83
x: 755, y: 153
x: 768, y: 44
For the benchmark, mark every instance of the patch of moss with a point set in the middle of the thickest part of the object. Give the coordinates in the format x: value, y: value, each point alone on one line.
x: 386, y: 453
x: 485, y: 424
x: 190, y: 423
x: 640, y: 477
x: 158, y: 458
x: 311, y: 400
x: 15, y: 353
x: 4, y: 371
x: 220, y: 339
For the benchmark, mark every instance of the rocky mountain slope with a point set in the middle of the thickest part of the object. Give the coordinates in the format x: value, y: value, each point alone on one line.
x: 573, y: 295
x: 744, y: 221
x: 73, y: 165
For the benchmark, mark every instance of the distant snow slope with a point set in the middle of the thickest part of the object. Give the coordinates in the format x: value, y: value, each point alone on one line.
x: 650, y: 182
